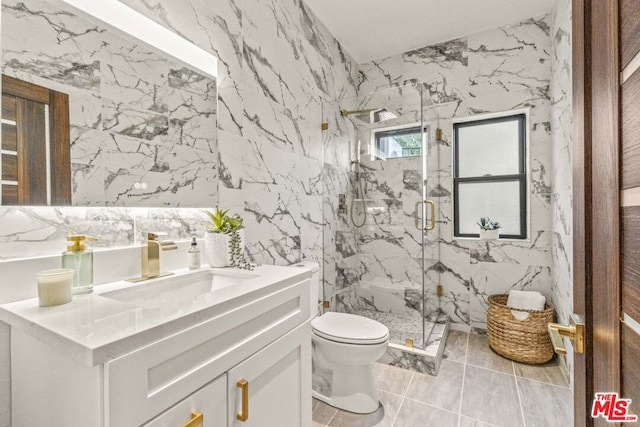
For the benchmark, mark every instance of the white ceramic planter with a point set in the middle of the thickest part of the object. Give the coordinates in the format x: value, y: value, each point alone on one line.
x: 216, y: 248
x: 489, y: 234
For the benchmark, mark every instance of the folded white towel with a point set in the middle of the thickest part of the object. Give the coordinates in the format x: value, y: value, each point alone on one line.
x: 526, y: 300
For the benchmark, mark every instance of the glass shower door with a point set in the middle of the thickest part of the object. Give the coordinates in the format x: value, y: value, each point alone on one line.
x: 380, y: 244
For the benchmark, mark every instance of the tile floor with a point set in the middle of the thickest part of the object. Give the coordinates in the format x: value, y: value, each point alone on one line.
x: 475, y: 387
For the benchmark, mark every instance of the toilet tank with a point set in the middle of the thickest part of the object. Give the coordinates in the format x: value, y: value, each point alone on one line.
x: 316, y: 289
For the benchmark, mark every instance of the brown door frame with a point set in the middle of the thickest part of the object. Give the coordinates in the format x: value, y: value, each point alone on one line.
x: 596, y: 200
x: 59, y: 133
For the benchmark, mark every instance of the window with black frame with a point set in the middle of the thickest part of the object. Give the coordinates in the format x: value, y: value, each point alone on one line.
x: 490, y: 175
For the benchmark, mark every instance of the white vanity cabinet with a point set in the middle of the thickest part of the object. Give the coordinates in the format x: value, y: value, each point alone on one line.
x: 276, y: 385
x: 191, y: 377
x: 266, y: 390
x: 205, y: 408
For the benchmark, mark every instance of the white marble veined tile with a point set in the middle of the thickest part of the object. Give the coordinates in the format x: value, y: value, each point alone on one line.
x: 511, y: 58
x: 119, y: 118
x: 179, y: 224
x: 541, y: 159
x: 49, y: 43
x: 233, y: 161
x: 191, y: 184
x: 380, y: 73
x: 130, y: 65
x: 442, y: 67
x: 271, y: 50
x: 193, y: 119
x: 267, y: 121
x: 537, y: 251
x: 230, y: 109
x: 268, y: 169
x: 185, y: 79
x: 561, y: 135
x: 28, y: 232
x: 268, y: 215
x: 86, y: 146
x: 87, y: 185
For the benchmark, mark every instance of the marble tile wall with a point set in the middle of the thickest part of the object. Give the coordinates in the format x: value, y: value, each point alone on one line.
x: 135, y: 116
x: 561, y: 138
x: 494, y: 70
x: 277, y: 63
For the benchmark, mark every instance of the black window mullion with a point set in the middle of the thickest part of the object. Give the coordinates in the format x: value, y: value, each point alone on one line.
x: 492, y: 178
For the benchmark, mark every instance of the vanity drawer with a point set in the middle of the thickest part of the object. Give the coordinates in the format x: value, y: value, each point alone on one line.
x: 208, y: 404
x: 142, y: 384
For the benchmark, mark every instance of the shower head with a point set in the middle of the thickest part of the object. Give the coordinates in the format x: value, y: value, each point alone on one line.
x: 371, y: 115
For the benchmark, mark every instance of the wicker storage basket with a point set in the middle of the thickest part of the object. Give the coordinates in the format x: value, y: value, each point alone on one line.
x: 525, y: 341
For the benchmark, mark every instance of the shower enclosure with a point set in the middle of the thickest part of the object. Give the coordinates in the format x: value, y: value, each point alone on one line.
x: 381, y: 241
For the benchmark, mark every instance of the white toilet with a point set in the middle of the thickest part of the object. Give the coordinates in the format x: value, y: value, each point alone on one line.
x: 344, y: 349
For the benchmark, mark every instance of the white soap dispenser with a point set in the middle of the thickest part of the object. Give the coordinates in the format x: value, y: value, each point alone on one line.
x: 194, y: 255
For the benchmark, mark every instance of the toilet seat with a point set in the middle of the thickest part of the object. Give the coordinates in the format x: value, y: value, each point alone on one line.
x: 349, y: 329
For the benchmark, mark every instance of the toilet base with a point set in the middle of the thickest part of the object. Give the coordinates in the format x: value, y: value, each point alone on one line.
x: 352, y: 391
x: 361, y: 404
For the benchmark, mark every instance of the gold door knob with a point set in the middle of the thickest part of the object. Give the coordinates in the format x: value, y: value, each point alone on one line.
x: 196, y: 419
x: 244, y: 385
x: 575, y: 332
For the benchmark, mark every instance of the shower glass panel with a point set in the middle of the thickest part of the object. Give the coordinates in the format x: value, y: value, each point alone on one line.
x: 381, y: 247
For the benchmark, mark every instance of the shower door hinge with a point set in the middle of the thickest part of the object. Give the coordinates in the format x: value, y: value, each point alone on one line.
x: 408, y: 343
x: 439, y: 291
x: 325, y: 304
x: 324, y: 126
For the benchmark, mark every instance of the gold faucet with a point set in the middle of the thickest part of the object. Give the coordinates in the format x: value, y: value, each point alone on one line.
x: 150, y: 256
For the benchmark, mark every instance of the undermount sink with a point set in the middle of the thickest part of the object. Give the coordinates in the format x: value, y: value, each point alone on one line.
x: 170, y: 295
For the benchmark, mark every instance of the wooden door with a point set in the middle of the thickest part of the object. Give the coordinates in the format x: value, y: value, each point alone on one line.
x: 35, y: 150
x: 629, y: 36
x: 606, y: 96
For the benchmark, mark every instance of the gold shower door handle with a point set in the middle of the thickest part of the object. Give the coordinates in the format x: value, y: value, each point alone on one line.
x: 244, y: 415
x: 416, y: 215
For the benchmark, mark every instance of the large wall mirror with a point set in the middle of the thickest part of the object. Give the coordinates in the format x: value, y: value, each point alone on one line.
x: 93, y: 116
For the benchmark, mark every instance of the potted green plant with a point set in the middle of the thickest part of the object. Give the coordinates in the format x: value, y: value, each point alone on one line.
x: 224, y: 240
x: 489, y: 230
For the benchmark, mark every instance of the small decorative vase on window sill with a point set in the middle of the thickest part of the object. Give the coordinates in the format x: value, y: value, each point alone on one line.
x: 489, y: 234
x: 489, y: 230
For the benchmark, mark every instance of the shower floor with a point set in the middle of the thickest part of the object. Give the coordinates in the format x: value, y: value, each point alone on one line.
x: 402, y: 328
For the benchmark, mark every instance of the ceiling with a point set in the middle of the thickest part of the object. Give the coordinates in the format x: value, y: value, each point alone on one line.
x: 375, y: 29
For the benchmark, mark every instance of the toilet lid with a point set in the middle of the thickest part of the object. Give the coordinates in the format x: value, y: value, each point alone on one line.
x: 349, y: 328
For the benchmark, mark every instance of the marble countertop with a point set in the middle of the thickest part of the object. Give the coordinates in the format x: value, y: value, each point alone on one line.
x: 94, y: 328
